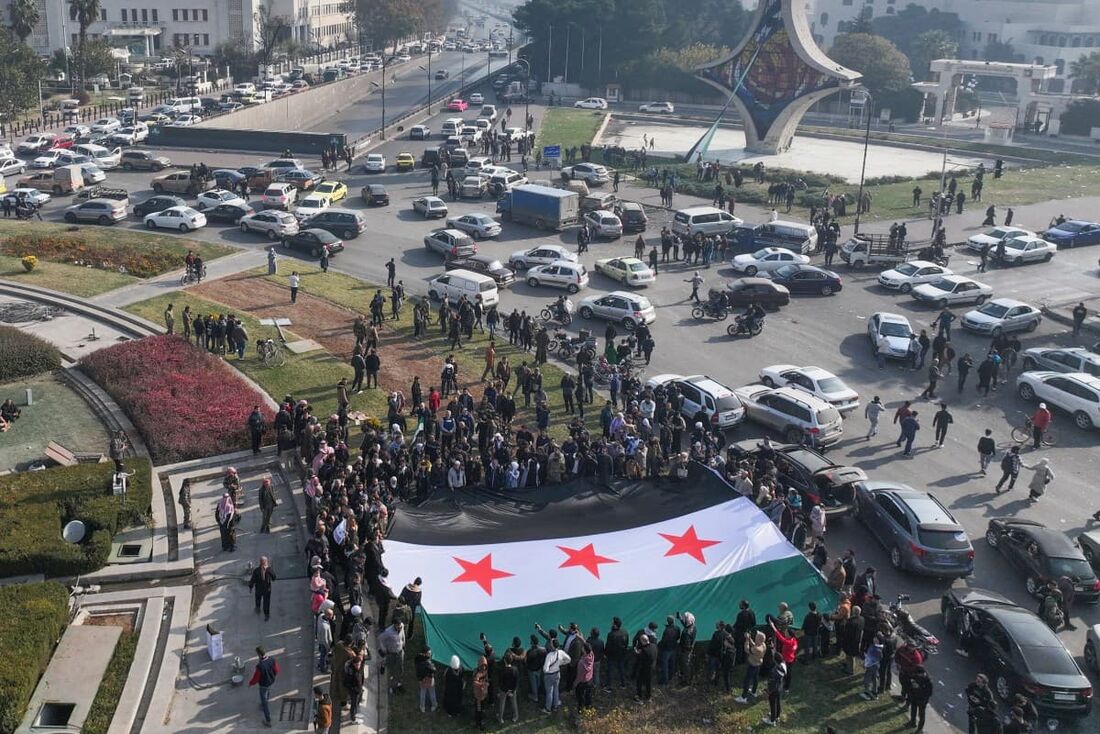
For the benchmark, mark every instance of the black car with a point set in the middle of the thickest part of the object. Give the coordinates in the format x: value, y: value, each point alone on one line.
x: 1018, y: 651
x: 157, y: 203
x: 209, y: 104
x: 312, y: 240
x: 503, y: 275
x: 228, y: 213
x: 376, y: 195
x: 227, y: 178
x: 632, y: 215
x: 817, y: 479
x: 1043, y: 554
x: 250, y: 171
x: 807, y: 279
x: 762, y: 291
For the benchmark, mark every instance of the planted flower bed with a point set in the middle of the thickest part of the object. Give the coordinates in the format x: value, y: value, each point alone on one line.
x: 186, y: 403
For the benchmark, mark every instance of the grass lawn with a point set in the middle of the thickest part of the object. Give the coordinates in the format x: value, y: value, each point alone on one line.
x: 72, y: 279
x: 311, y: 376
x: 110, y: 688
x: 568, y: 127
x: 355, y: 294
x: 820, y: 695
x: 58, y: 414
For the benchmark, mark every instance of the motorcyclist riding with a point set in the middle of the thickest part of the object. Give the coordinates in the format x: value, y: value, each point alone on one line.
x: 561, y: 308
x: 752, y: 316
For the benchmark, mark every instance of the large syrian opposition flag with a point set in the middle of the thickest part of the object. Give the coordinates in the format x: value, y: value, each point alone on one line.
x: 573, y: 553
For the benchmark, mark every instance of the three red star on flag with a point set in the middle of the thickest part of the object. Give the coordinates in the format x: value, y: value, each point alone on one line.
x: 688, y: 544
x: 586, y: 558
x: 481, y: 573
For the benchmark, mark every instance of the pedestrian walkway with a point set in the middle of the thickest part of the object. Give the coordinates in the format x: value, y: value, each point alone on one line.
x: 167, y: 282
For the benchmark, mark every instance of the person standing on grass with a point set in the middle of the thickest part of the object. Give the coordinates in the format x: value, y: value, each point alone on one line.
x: 272, y: 261
x: 372, y: 363
x: 267, y: 670
x: 169, y: 320
x: 324, y: 258
x: 294, y: 281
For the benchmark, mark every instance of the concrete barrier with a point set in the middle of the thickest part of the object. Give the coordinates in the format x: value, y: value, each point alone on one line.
x: 259, y: 141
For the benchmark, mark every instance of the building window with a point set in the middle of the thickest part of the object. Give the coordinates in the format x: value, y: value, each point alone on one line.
x: 1076, y: 41
x: 198, y: 38
x: 847, y: 2
x: 1061, y: 41
x: 204, y: 18
x: 123, y: 11
x: 977, y: 36
x: 1089, y: 41
x: 992, y: 37
x: 175, y: 15
x: 1060, y: 64
x: 155, y: 18
x: 205, y: 39
x: 889, y: 11
x: 103, y: 14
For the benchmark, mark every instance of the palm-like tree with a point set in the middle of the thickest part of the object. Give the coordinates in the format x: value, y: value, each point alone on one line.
x: 84, y: 12
x: 24, y: 17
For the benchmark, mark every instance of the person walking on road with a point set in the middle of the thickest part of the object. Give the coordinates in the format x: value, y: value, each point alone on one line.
x: 909, y: 427
x: 872, y: 412
x: 696, y: 280
x: 987, y: 448
x: 268, y: 503
x: 963, y: 367
x: 267, y: 669
x: 1042, y: 476
x: 260, y: 583
x: 1010, y: 469
x: 940, y: 421
x: 1079, y: 314
x: 934, y: 375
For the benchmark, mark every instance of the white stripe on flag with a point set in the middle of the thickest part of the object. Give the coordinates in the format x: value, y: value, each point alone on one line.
x: 529, y: 572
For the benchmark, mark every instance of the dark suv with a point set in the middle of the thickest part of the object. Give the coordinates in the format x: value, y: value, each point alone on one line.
x: 343, y: 223
x: 143, y: 160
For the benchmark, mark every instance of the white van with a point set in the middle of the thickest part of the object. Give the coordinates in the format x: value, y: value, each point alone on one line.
x: 454, y: 284
x: 476, y: 163
x: 102, y: 157
x: 794, y: 236
x: 709, y: 220
x: 182, y: 105
x: 451, y: 126
x: 136, y: 94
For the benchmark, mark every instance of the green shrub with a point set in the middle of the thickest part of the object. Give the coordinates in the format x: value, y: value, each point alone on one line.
x: 25, y: 355
x: 110, y: 688
x: 32, y: 617
x: 35, y: 506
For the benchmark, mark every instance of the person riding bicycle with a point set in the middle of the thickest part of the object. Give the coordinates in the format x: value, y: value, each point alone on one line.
x: 189, y: 262
x: 1040, y: 422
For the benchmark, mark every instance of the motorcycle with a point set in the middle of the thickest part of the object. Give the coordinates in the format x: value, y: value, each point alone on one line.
x: 551, y: 313
x: 742, y: 327
x: 604, y: 370
x: 912, y: 632
x: 568, y: 346
x: 934, y: 254
x: 714, y: 307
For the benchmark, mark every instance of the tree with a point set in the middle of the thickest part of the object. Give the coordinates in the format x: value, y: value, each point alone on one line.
x: 884, y: 68
x: 24, y: 17
x: 928, y: 46
x: 1085, y: 73
x: 271, y: 29
x: 1081, y: 116
x: 386, y: 22
x: 97, y: 58
x: 904, y: 27
x: 1000, y: 51
x: 19, y: 83
x: 84, y: 12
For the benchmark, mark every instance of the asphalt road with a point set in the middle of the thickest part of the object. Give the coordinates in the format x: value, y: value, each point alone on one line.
x: 828, y: 332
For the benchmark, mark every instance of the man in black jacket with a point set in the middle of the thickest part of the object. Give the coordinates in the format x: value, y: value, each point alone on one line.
x: 615, y: 650
x: 742, y: 626
x: 646, y: 650
x: 811, y: 632
x: 851, y: 637
x: 687, y: 647
x: 536, y: 655
x: 668, y: 647
x: 260, y: 582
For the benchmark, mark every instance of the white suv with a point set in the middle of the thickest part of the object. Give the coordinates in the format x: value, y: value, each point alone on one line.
x: 723, y: 408
x: 1074, y: 392
x: 279, y: 196
x: 792, y: 413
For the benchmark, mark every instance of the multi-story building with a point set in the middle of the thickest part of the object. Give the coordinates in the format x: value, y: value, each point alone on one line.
x: 1039, y: 31
x: 151, y: 28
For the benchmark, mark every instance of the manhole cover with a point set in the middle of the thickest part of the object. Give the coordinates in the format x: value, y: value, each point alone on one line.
x: 129, y: 550
x: 55, y: 714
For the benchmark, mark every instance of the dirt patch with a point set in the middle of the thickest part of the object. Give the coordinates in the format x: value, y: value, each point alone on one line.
x: 125, y: 620
x: 328, y: 324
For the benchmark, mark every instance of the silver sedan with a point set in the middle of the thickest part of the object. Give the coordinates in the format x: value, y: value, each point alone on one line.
x: 478, y: 226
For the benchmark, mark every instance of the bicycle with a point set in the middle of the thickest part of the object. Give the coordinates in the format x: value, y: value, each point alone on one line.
x: 270, y: 353
x: 1025, y: 433
x: 190, y: 277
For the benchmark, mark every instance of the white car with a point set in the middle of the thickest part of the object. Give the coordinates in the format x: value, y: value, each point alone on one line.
x: 131, y: 135
x: 245, y: 88
x: 1070, y: 359
x: 592, y: 103
x: 1076, y: 393
x: 905, y: 276
x: 572, y: 276
x: 700, y: 392
x: 92, y: 173
x: 952, y: 289
x: 661, y: 107
x: 590, y: 173
x: 604, y: 224
x: 814, y: 380
x: 375, y: 163
x: 214, y: 197
x: 1002, y: 315
x: 12, y: 167
x: 106, y: 125
x: 541, y: 255
x: 629, y: 271
x: 36, y: 143
x: 310, y: 205
x: 430, y: 207
x: 183, y: 218
x: 1020, y: 250
x: 77, y: 131
x: 622, y: 307
x: 992, y: 237
x: 36, y: 197
x: 889, y: 334
x: 476, y: 98
x: 272, y: 222
x: 470, y: 134
x: 186, y: 121
x: 49, y: 158
x: 766, y: 260
x: 279, y: 196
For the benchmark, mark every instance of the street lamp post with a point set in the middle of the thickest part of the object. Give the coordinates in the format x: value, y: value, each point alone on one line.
x: 526, y: 94
x: 429, y: 78
x: 868, y: 108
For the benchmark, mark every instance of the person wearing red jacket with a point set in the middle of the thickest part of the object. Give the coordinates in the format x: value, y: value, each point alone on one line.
x: 908, y: 658
x: 788, y: 650
x: 267, y: 668
x: 1040, y: 421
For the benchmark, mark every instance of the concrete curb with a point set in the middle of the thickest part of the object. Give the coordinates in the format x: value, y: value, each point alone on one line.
x: 125, y: 322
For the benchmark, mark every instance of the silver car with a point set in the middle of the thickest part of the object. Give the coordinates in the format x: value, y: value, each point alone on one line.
x: 560, y: 274
x: 12, y: 167
x: 604, y: 224
x: 1020, y: 250
x: 792, y: 413
x: 478, y: 226
x: 274, y: 223
x: 623, y: 307
x: 1001, y: 316
x: 430, y: 207
x: 1071, y: 359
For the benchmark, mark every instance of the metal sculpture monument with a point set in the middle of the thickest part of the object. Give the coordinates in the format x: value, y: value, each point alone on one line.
x: 773, y: 77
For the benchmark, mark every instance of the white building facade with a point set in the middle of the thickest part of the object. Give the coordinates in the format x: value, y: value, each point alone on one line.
x: 153, y: 28
x: 1040, y: 31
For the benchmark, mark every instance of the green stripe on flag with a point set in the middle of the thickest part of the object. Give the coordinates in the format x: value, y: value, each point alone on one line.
x: 792, y: 580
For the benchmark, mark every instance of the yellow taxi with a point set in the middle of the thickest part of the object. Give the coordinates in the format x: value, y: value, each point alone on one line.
x: 406, y: 161
x: 331, y: 190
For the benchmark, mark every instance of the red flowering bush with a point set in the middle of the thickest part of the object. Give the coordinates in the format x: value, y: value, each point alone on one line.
x: 186, y: 403
x: 143, y: 260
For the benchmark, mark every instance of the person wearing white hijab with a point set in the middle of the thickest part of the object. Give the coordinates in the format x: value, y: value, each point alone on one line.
x: 225, y: 515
